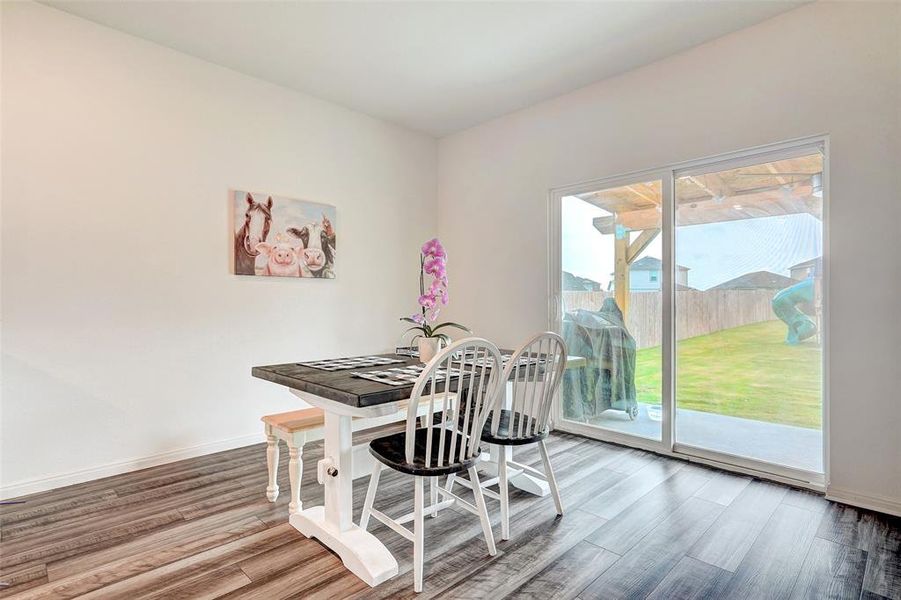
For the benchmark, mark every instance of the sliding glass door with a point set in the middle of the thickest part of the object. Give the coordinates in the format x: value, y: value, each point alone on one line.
x: 691, y: 299
x: 611, y: 281
x: 749, y: 322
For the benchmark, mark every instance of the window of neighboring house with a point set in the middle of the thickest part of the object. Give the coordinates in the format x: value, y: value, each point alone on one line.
x: 653, y: 275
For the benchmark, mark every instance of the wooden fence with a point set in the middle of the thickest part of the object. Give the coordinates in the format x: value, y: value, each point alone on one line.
x: 697, y: 313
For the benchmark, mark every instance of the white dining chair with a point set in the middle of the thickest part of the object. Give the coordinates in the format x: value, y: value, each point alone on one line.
x: 533, y: 375
x: 461, y: 389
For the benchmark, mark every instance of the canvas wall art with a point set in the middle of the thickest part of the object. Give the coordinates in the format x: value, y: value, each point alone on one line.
x: 283, y: 237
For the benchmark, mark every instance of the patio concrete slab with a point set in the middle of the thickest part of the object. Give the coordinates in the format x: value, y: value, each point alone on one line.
x: 787, y: 445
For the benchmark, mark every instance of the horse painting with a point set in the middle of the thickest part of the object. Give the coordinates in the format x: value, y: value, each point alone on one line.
x: 253, y: 231
x: 300, y: 230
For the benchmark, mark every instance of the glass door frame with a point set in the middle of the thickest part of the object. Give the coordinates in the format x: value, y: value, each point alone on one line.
x: 667, y: 175
x: 555, y: 302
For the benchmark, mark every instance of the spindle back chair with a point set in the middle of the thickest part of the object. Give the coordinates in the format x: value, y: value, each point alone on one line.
x: 533, y: 375
x: 462, y: 386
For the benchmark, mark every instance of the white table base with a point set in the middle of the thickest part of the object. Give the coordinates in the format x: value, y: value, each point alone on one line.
x: 360, y: 551
x: 515, y: 477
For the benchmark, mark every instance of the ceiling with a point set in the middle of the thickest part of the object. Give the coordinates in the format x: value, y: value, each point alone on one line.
x: 436, y: 67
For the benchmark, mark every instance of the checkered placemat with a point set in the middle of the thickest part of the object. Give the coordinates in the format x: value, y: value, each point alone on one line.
x: 355, y: 362
x: 402, y: 375
x: 523, y: 360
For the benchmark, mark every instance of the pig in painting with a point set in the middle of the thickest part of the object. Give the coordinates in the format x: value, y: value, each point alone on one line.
x: 283, y: 259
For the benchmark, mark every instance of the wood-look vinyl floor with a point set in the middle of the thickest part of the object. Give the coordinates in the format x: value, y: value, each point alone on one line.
x: 636, y: 526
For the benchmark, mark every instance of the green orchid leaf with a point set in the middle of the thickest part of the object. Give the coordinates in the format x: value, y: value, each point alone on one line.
x: 452, y: 324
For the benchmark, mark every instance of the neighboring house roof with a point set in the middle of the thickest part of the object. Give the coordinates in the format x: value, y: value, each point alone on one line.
x: 813, y: 262
x: 758, y: 280
x: 574, y: 283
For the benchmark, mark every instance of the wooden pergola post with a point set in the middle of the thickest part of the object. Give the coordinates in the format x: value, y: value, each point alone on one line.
x: 624, y: 254
x: 621, y: 271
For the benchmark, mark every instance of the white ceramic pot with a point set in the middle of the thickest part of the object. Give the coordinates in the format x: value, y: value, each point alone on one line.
x: 428, y: 348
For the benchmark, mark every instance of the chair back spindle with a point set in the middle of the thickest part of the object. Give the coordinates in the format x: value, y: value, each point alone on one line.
x: 462, y: 387
x: 534, y: 373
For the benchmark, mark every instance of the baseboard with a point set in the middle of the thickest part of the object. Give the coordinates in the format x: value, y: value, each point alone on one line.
x: 881, y: 504
x: 43, y: 484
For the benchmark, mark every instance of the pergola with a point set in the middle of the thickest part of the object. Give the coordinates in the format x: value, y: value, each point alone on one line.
x: 783, y: 187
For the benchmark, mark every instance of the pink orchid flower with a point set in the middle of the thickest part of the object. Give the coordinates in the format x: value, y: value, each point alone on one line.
x: 435, y: 267
x: 426, y: 301
x: 434, y: 248
x: 434, y: 293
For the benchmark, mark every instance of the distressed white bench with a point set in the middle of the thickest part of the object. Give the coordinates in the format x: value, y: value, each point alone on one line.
x: 299, y: 427
x: 294, y: 428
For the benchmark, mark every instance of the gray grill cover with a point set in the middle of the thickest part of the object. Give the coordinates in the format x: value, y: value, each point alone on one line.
x: 608, y: 380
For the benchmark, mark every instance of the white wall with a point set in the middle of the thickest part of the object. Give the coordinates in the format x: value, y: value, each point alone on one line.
x: 125, y: 339
x: 823, y: 68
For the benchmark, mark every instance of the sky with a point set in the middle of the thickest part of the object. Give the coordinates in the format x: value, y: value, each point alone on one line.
x: 714, y: 253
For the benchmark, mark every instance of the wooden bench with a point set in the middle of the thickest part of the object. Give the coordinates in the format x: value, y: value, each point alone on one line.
x: 298, y: 427
x: 294, y: 428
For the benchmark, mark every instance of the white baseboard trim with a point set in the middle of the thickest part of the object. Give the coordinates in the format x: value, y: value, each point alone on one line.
x: 881, y: 504
x: 43, y: 484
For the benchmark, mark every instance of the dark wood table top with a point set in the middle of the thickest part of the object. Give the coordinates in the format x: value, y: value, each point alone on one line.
x: 340, y: 386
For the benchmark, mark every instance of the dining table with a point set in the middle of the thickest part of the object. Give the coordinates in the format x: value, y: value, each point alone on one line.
x: 344, y: 396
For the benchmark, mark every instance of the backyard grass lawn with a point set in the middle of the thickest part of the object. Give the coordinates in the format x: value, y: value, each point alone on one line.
x: 747, y: 372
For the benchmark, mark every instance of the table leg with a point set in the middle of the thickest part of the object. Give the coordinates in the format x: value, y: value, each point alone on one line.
x: 515, y: 476
x: 362, y: 553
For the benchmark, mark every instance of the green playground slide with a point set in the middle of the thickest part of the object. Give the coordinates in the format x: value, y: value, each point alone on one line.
x: 785, y: 302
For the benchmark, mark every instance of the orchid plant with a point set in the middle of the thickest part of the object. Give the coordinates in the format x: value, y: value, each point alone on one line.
x: 432, y: 263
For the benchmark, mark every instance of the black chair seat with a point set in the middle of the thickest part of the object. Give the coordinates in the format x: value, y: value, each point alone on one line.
x: 391, y: 451
x: 503, y: 436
